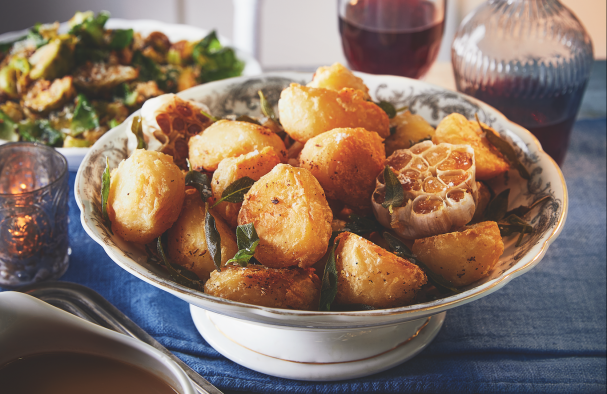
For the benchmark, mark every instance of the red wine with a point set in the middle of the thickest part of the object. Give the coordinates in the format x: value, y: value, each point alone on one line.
x: 550, y: 116
x: 401, y: 38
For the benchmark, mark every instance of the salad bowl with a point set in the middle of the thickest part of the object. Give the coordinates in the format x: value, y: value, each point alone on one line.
x: 312, y: 345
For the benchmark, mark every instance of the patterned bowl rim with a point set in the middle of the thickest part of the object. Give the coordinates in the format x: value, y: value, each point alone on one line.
x: 299, y: 317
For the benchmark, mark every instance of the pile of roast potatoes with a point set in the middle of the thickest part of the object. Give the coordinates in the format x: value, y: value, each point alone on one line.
x: 307, y: 184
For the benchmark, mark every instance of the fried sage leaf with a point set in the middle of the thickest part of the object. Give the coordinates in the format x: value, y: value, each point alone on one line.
x: 498, y: 207
x: 199, y: 181
x: 236, y: 191
x: 266, y: 108
x: 247, y: 240
x: 248, y: 119
x: 328, y: 291
x: 358, y: 225
x: 105, y: 192
x: 388, y: 108
x: 523, y: 210
x: 180, y: 274
x: 401, y: 250
x: 211, y: 117
x: 506, y: 149
x: 514, y: 224
x: 137, y: 129
x: 213, y: 238
x: 395, y: 195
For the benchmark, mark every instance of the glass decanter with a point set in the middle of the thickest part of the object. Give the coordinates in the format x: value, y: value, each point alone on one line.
x: 530, y: 59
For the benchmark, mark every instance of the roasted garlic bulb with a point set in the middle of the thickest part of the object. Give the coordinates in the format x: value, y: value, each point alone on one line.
x: 168, y: 122
x: 439, y: 187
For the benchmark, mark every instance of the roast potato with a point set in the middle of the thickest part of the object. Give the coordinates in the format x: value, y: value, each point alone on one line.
x: 410, y: 129
x: 227, y: 138
x: 337, y: 77
x: 286, y: 288
x: 456, y: 129
x: 291, y: 215
x: 253, y: 165
x: 146, y: 195
x: 307, y: 112
x: 370, y: 275
x: 346, y: 162
x: 186, y: 242
x: 462, y: 257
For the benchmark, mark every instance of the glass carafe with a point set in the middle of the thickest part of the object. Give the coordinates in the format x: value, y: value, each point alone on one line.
x: 530, y: 59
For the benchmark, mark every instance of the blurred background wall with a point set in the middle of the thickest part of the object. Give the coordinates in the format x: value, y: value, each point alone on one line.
x: 292, y: 33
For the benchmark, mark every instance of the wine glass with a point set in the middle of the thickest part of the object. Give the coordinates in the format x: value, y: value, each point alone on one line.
x: 398, y: 37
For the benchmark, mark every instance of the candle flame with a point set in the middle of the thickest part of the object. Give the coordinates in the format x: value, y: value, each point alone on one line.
x: 23, y: 186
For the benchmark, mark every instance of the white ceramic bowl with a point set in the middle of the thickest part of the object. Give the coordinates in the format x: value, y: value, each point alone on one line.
x: 29, y: 326
x: 239, y: 96
x: 174, y: 32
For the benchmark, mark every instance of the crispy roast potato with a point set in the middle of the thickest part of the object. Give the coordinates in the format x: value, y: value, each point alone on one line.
x: 346, y: 162
x: 186, y: 242
x: 370, y: 275
x: 227, y: 138
x: 456, y: 129
x: 307, y: 112
x: 409, y: 129
x: 291, y: 215
x: 254, y: 165
x: 462, y: 257
x: 337, y: 77
x: 286, y: 288
x: 146, y: 195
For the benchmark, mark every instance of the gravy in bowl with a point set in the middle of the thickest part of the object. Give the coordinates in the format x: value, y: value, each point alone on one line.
x: 70, y: 372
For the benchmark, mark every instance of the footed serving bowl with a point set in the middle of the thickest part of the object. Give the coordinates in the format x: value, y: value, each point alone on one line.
x: 312, y: 345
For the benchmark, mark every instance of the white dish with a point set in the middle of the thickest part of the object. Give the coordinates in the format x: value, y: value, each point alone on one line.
x: 239, y: 96
x: 29, y: 326
x: 174, y: 32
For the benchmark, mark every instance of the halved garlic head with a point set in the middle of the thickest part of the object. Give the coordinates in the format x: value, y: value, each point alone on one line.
x: 439, y: 186
x: 168, y: 122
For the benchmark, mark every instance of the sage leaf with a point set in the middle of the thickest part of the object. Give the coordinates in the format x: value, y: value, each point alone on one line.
x: 395, y: 195
x: 388, y: 108
x: 523, y: 210
x: 85, y: 118
x: 105, y: 192
x: 329, y: 282
x: 247, y: 240
x: 236, y: 191
x: 199, y: 181
x: 8, y: 128
x: 506, y: 149
x: 514, y: 224
x: 137, y: 129
x: 248, y: 119
x: 266, y: 108
x: 213, y: 119
x: 180, y: 274
x: 399, y: 248
x: 498, y: 207
x: 213, y: 238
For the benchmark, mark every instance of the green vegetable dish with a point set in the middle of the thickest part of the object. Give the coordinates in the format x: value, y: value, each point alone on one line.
x: 66, y: 90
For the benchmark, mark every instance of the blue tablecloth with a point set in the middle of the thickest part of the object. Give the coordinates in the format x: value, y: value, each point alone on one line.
x: 543, y: 332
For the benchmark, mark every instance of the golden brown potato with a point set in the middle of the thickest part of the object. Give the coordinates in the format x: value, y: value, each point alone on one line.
x: 307, y: 112
x: 291, y: 215
x: 254, y: 165
x: 286, y: 288
x: 482, y: 202
x: 456, y: 129
x: 462, y: 257
x: 346, y: 162
x: 370, y: 275
x: 186, y: 242
x: 227, y: 138
x: 337, y: 77
x: 409, y: 128
x: 146, y: 195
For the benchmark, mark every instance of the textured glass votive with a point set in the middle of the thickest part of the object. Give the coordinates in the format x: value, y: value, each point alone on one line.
x: 33, y: 214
